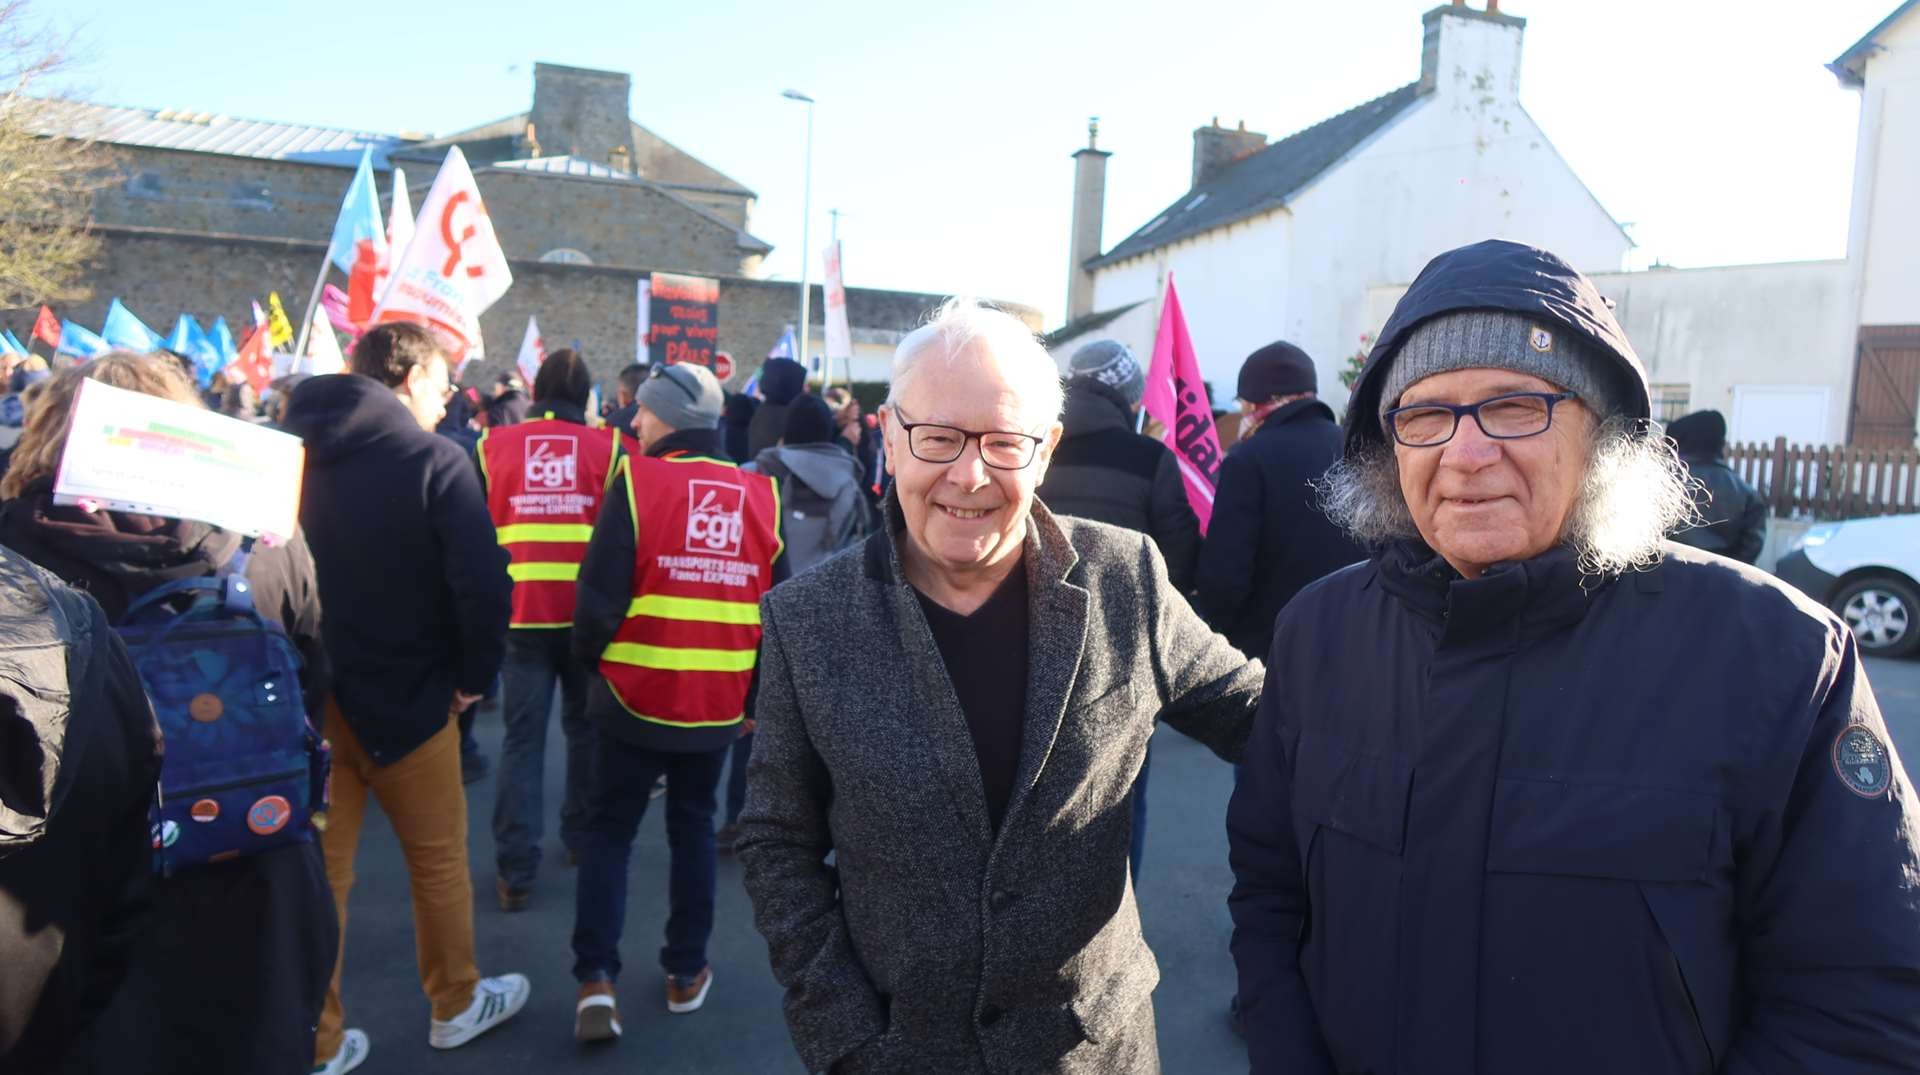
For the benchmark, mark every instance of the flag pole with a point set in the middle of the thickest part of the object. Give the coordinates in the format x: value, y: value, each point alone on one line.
x: 313, y: 303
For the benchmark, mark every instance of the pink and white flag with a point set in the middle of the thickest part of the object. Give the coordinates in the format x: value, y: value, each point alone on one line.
x: 533, y: 351
x: 453, y: 269
x: 1176, y: 397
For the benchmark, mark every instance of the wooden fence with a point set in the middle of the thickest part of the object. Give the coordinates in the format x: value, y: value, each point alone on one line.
x: 1830, y: 481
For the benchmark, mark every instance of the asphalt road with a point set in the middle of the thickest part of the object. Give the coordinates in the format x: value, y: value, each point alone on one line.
x: 1182, y: 899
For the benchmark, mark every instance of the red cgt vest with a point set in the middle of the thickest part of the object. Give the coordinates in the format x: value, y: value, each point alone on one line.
x: 685, y: 654
x: 546, y: 480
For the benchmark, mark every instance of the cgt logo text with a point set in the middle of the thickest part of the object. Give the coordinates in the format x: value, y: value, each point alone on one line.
x: 714, y: 521
x: 552, y: 463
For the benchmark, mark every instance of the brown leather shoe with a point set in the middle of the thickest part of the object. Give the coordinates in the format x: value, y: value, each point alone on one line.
x: 512, y: 899
x: 594, y: 1016
x: 687, y: 994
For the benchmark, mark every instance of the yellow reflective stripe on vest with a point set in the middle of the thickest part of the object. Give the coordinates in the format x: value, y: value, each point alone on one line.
x: 543, y: 572
x: 673, y: 659
x: 570, y: 533
x: 700, y: 609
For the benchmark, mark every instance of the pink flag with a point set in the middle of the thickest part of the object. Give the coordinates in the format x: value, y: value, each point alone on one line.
x: 1177, y: 399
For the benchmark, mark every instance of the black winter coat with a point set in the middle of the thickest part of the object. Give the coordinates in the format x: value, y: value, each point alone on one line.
x: 1104, y: 471
x: 78, y: 775
x: 1735, y: 512
x: 414, y: 583
x: 1515, y: 824
x: 508, y: 408
x: 1268, y: 537
x: 230, y: 970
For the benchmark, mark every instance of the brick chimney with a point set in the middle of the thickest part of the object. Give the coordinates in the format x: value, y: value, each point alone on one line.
x: 582, y: 113
x: 1469, y: 53
x: 1215, y: 148
x: 1089, y: 209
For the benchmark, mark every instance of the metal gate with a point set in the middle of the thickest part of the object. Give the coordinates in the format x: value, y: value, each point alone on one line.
x: 1886, y: 387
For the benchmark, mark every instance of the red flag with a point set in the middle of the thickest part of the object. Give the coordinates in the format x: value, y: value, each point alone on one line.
x: 46, y: 328
x: 255, y: 364
x: 361, y: 281
x: 1177, y: 398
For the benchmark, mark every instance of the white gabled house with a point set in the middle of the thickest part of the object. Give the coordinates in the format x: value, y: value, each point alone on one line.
x: 1282, y: 241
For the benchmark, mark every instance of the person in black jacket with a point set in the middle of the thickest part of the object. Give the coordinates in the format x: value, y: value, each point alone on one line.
x: 418, y: 599
x: 78, y: 779
x: 1103, y: 470
x: 509, y: 405
x: 1534, y: 789
x: 1267, y: 537
x: 1735, y: 514
x: 781, y: 381
x: 230, y: 972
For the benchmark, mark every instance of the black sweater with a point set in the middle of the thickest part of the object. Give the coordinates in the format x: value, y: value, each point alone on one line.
x: 414, y: 583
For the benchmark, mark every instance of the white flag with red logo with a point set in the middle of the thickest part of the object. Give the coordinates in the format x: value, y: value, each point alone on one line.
x: 454, y: 268
x: 533, y: 351
x: 323, y: 347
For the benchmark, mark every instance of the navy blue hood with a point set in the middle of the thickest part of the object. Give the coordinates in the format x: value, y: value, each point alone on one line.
x: 342, y: 413
x: 1497, y: 275
x: 781, y: 379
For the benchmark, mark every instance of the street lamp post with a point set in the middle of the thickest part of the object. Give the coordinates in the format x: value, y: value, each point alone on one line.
x: 806, y: 212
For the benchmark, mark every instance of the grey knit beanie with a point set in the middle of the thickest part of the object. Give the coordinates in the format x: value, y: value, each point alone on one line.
x: 684, y: 396
x: 1110, y: 363
x: 1500, y: 339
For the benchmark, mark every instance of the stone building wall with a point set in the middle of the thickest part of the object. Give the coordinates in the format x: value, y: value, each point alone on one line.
x: 159, y: 274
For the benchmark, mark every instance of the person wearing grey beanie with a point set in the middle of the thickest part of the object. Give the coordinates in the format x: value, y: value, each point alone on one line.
x: 1573, y: 796
x: 1110, y: 363
x: 682, y: 396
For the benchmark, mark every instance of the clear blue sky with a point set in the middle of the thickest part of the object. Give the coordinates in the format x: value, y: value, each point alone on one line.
x: 944, y: 134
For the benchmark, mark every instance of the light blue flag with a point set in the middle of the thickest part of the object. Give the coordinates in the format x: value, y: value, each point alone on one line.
x: 80, y: 342
x: 788, y: 347
x: 128, y: 332
x: 11, y: 343
x: 222, y: 352
x: 189, y: 339
x: 359, y: 219
x: 180, y: 340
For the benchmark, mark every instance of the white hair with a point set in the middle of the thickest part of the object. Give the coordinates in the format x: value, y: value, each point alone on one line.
x: 961, y: 325
x: 1634, y: 493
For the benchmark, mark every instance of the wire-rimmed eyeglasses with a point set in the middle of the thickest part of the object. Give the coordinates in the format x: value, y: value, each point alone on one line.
x: 1509, y: 417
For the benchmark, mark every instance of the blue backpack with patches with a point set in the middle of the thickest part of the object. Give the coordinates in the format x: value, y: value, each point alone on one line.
x: 244, y: 769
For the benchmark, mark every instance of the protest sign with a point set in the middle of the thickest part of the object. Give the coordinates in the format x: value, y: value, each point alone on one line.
x: 129, y: 451
x: 684, y: 319
x: 839, y: 337
x: 1177, y: 399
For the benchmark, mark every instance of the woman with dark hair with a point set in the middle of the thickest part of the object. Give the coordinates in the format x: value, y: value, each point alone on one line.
x: 230, y: 972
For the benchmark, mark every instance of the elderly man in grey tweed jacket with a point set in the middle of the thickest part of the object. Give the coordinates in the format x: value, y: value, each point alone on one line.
x: 956, y: 711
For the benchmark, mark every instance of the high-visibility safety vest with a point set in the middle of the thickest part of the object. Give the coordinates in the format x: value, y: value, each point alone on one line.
x: 702, y: 558
x: 546, y: 480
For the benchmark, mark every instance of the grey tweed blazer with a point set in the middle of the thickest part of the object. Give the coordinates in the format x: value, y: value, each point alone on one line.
x: 932, y: 943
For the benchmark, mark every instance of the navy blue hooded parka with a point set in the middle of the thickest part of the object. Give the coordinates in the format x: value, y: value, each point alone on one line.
x: 1546, y: 821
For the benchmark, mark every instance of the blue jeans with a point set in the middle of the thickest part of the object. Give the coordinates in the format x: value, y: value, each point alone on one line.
x: 740, y: 752
x: 623, y: 776
x: 1139, y: 817
x: 538, y: 661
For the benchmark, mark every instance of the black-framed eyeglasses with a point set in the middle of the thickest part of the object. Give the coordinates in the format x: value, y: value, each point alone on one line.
x: 1508, y: 417
x: 659, y: 373
x: 1002, y: 450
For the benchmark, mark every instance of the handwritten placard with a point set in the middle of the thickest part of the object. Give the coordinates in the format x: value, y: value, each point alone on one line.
x: 133, y: 452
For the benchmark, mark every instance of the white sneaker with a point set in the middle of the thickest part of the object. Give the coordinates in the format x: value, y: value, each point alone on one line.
x: 495, y: 1000
x: 354, y: 1048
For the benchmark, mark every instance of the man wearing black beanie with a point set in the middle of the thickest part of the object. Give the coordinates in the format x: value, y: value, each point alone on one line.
x: 1735, y: 513
x: 1267, y: 538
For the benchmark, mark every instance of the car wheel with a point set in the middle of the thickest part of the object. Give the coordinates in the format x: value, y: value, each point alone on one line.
x: 1884, y: 613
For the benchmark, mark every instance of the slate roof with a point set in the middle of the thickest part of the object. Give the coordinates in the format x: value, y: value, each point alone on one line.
x: 206, y: 132
x: 1267, y: 179
x: 574, y: 166
x: 1849, y: 67
x: 1093, y: 322
x: 499, y: 140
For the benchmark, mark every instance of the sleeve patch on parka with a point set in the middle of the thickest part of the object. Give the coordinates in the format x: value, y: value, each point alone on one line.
x: 1862, y: 762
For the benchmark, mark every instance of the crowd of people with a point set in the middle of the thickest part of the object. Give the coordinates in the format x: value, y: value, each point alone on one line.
x: 1520, y: 783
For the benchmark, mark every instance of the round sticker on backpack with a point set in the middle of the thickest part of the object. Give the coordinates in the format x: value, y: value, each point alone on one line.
x: 269, y: 815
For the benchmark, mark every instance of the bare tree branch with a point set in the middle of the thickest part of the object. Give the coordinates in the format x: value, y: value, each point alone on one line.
x: 50, y: 168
